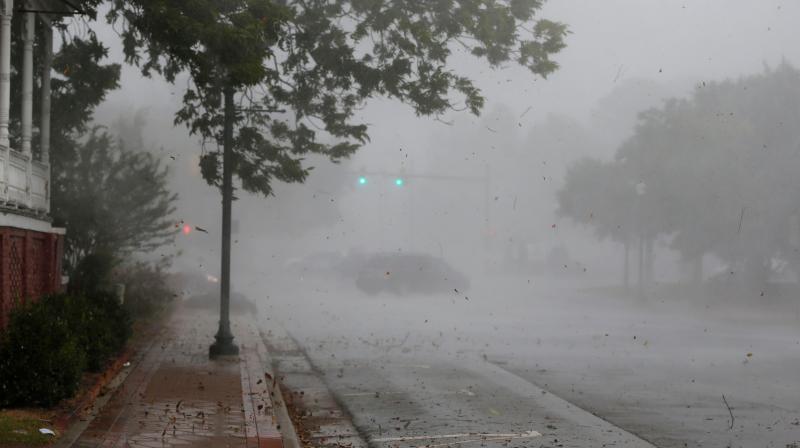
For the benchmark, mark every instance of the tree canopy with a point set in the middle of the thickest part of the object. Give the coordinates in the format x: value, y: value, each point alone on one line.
x: 113, y: 200
x: 720, y: 173
x: 301, y: 70
x: 304, y: 68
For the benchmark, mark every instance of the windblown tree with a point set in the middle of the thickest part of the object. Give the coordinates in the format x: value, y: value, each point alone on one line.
x: 600, y: 195
x: 319, y: 62
x: 748, y: 187
x: 81, y: 84
x: 302, y: 70
x: 720, y: 174
x: 113, y: 200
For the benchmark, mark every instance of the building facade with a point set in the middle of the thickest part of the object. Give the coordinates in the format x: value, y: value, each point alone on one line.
x: 30, y: 247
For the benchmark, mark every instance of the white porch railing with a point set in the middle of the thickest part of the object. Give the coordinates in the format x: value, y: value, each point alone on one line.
x: 24, y: 183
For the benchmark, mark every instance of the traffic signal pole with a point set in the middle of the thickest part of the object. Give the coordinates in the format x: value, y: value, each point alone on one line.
x: 223, y: 345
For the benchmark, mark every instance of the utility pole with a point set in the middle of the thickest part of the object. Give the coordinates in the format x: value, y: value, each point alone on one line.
x: 224, y: 346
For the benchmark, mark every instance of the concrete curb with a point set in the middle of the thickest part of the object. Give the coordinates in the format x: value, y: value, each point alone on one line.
x: 323, y: 421
x: 267, y: 422
x: 602, y: 431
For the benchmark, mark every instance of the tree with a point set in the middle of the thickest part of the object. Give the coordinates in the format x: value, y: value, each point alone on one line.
x: 303, y: 68
x: 320, y: 61
x: 720, y: 173
x: 113, y: 200
x: 82, y: 83
x: 601, y: 195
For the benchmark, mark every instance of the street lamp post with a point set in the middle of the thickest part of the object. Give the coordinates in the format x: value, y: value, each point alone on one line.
x: 223, y: 344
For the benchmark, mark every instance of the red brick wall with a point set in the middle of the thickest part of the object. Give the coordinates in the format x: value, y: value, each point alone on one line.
x: 30, y: 266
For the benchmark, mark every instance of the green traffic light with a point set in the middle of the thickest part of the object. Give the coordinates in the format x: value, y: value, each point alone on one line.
x: 399, y: 182
x: 362, y: 180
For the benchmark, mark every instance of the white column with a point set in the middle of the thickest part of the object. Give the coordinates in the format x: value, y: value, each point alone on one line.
x: 45, y: 122
x: 27, y: 82
x: 44, y: 127
x: 5, y: 68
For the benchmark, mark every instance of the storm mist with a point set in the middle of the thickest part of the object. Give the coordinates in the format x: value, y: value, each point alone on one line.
x: 624, y: 234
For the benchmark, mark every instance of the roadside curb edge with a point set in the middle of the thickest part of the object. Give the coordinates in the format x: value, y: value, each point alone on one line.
x: 267, y: 421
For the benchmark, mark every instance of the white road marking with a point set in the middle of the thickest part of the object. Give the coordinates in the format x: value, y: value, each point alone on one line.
x: 482, y: 436
x: 413, y: 366
x: 482, y: 440
x: 379, y: 394
x: 370, y: 394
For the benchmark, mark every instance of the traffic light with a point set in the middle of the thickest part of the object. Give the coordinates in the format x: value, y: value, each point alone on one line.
x: 362, y: 180
x: 399, y: 181
x: 187, y: 229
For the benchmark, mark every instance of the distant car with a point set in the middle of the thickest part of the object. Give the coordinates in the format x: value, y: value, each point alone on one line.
x: 403, y: 274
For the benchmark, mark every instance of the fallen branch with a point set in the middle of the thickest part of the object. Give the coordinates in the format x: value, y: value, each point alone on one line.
x: 729, y: 410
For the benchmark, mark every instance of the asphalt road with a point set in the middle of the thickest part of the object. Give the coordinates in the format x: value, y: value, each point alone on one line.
x: 511, y: 359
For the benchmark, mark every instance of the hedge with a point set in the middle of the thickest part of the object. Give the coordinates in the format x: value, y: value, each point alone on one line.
x: 49, y: 343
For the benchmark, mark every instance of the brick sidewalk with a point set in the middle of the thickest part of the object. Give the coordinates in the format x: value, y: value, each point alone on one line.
x: 175, y: 396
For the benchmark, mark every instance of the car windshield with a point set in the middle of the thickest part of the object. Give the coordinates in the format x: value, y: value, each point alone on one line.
x: 400, y: 224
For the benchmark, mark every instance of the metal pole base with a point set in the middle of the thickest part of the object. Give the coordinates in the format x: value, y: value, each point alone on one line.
x: 223, y: 346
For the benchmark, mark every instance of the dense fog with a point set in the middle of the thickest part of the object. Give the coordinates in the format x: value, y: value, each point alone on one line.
x: 624, y: 233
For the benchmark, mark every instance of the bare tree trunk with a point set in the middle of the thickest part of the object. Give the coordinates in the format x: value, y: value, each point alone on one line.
x: 640, y: 267
x: 649, y: 262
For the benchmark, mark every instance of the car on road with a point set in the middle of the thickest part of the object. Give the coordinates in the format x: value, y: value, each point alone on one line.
x: 409, y: 273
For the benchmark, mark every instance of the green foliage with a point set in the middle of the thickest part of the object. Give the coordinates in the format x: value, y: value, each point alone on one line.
x: 720, y: 172
x: 49, y: 343
x: 82, y: 84
x: 102, y: 325
x: 146, y: 289
x: 318, y: 62
x: 106, y: 331
x: 41, y: 358
x: 598, y: 194
x: 112, y: 200
x: 91, y: 274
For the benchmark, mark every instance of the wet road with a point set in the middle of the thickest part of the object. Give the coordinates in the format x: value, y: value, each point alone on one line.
x: 535, y: 361
x: 411, y: 401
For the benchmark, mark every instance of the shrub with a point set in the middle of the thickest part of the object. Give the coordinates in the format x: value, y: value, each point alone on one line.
x: 48, y: 344
x: 147, y: 291
x: 41, y: 358
x: 113, y: 324
x: 98, y: 321
x: 91, y: 274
